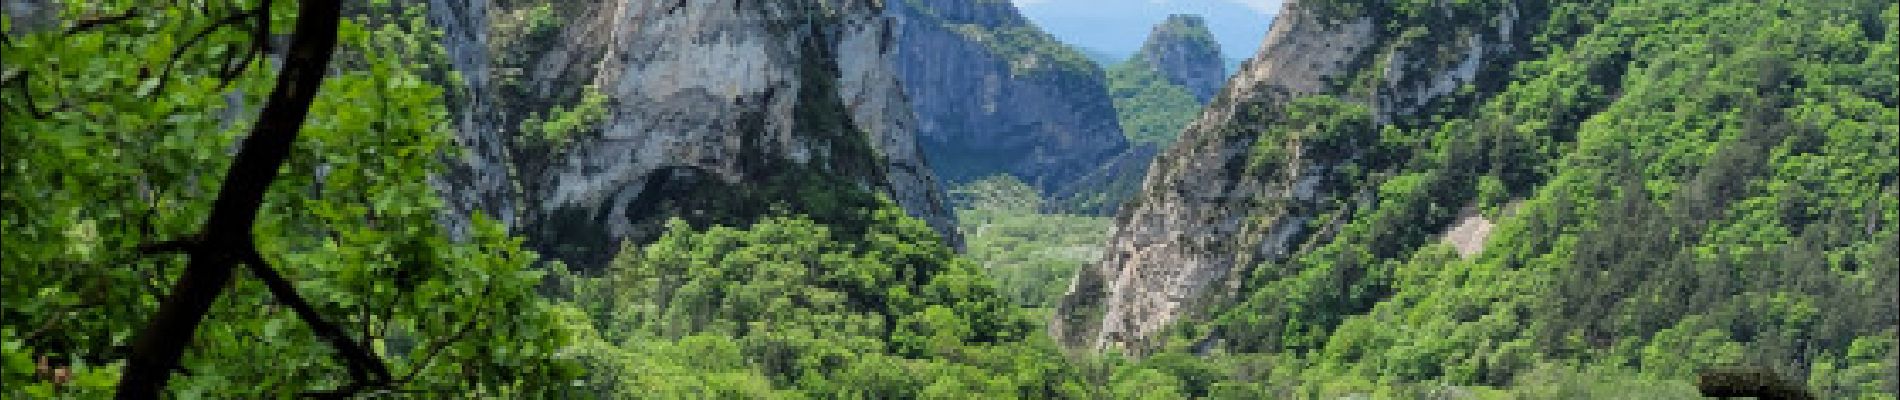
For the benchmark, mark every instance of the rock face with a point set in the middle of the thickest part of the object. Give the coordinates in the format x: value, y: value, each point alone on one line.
x: 1185, y: 53
x: 478, y: 180
x: 1156, y: 92
x: 716, y: 111
x: 1202, y: 219
x: 994, y: 94
x: 30, y: 15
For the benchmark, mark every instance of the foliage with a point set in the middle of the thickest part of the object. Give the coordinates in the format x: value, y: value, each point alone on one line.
x: 1151, y: 109
x: 1003, y: 193
x: 789, y: 307
x: 1027, y: 49
x: 562, y: 124
x: 1322, y: 127
x: 114, y: 144
x: 1031, y: 255
x: 1677, y: 185
x: 1695, y: 184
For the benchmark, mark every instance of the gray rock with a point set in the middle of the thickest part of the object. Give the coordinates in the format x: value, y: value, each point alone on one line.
x: 30, y: 15
x: 994, y: 94
x: 718, y: 111
x: 1184, y: 52
x: 1200, y: 220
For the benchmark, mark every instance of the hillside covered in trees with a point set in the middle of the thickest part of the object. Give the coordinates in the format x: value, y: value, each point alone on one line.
x: 1481, y: 199
x: 1668, y: 187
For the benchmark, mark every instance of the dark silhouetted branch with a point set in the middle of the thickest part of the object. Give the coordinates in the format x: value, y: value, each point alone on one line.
x: 185, y: 245
x: 226, y: 233
x: 164, y: 75
x: 365, y: 368
x: 96, y: 23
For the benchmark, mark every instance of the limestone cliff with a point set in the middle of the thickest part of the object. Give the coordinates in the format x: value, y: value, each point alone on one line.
x: 1156, y: 93
x: 1183, y: 51
x: 30, y: 15
x: 994, y: 94
x: 715, y: 111
x: 1209, y: 211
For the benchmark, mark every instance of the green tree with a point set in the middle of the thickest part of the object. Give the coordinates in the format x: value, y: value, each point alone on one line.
x: 889, y: 313
x: 117, y: 126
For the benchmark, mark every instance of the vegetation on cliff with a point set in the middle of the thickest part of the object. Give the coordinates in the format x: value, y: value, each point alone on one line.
x: 1026, y: 48
x: 1151, y: 109
x: 1678, y: 185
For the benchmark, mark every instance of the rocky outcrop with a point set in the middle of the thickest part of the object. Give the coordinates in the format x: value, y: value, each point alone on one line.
x: 1183, y: 51
x: 30, y: 15
x: 478, y: 179
x: 1205, y: 215
x: 994, y: 94
x: 716, y: 111
x: 1469, y: 234
x: 1156, y: 93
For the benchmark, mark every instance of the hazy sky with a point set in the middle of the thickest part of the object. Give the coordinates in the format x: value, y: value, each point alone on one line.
x: 1119, y: 26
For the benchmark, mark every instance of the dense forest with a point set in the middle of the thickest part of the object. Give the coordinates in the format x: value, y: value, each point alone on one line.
x: 246, y: 199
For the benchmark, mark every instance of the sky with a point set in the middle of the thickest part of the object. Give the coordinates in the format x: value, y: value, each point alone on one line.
x: 1119, y: 26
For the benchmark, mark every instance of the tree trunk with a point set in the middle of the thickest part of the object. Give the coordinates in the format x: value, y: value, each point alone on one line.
x: 226, y: 236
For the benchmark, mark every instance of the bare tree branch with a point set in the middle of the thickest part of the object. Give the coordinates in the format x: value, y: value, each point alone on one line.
x: 164, y: 76
x: 429, y: 355
x: 365, y: 367
x: 185, y: 245
x: 95, y: 23
x: 260, y: 44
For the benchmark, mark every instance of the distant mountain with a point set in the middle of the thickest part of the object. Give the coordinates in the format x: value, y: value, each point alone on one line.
x: 1119, y: 26
x: 1157, y: 92
x: 1186, y: 55
x: 1103, y: 57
